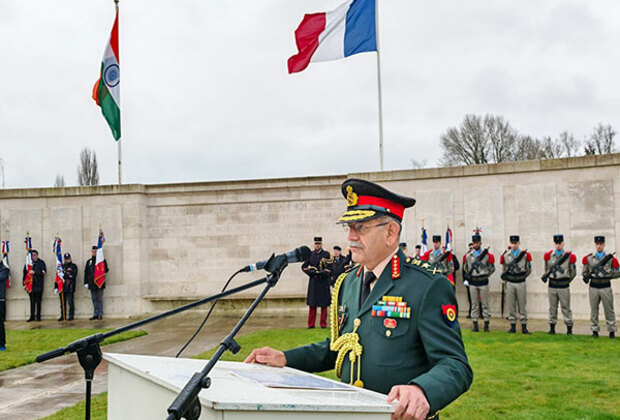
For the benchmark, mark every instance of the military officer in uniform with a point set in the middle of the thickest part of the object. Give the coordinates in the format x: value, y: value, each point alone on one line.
x: 393, y: 319
x: 317, y: 270
x: 418, y: 252
x: 440, y: 259
x: 516, y: 267
x: 559, y: 282
x: 481, y: 269
x: 339, y: 264
x: 600, y: 285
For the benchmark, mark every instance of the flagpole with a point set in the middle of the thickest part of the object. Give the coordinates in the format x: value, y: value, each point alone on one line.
x: 118, y: 142
x: 379, y: 85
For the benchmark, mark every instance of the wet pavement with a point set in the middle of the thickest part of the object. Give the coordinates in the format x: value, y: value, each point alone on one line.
x: 40, y: 389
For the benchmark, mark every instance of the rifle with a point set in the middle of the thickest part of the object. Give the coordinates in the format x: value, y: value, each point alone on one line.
x: 475, y: 266
x: 598, y: 268
x: 512, y: 267
x: 555, y: 268
x: 441, y: 259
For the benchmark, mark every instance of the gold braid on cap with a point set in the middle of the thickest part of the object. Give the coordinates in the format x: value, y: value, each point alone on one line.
x: 353, y: 215
x: 346, y: 343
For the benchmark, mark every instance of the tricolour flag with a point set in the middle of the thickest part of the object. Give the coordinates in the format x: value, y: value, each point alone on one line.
x: 449, y: 239
x: 106, y: 91
x: 424, y: 241
x: 5, y: 260
x: 100, y: 261
x: 28, y: 279
x: 349, y: 29
x: 60, y: 275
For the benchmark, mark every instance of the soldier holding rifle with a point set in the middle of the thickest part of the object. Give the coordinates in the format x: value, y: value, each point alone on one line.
x: 478, y: 265
x: 440, y: 259
x: 560, y: 270
x: 598, y: 269
x: 516, y: 267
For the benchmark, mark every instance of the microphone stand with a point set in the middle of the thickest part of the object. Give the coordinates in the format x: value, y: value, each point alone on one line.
x: 89, y: 350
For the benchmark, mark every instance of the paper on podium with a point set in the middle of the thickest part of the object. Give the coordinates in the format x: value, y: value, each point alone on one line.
x: 288, y: 379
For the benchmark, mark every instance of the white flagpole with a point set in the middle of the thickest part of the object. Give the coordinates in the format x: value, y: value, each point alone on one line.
x: 379, y: 85
x: 118, y: 142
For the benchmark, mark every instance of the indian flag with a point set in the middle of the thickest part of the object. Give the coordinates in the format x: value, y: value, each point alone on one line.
x: 106, y: 92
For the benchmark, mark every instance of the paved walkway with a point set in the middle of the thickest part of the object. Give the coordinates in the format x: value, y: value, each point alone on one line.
x: 38, y: 390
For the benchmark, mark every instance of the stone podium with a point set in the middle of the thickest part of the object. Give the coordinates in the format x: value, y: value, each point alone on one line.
x: 142, y: 387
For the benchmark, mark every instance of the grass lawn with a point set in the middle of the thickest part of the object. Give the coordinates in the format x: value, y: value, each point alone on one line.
x: 515, y: 377
x: 23, y: 346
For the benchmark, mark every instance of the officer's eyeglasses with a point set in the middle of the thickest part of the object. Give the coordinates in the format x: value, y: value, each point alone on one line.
x: 361, y: 228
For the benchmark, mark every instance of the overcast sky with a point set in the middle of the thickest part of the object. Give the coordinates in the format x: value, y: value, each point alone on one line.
x: 206, y: 95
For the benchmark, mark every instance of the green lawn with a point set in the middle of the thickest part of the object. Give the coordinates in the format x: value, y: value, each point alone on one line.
x: 23, y: 346
x: 515, y: 377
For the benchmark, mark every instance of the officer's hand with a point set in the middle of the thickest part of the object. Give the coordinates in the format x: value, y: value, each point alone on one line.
x: 412, y: 403
x: 267, y: 356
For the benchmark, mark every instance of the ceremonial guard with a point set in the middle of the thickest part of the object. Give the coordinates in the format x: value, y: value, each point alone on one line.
x: 418, y: 252
x: 599, y: 268
x: 516, y: 267
x: 440, y: 259
x: 560, y: 270
x: 71, y: 271
x: 393, y: 319
x: 96, y: 292
x: 38, y: 275
x: 5, y: 275
x: 478, y: 265
x: 403, y: 247
x: 317, y: 269
x: 339, y: 264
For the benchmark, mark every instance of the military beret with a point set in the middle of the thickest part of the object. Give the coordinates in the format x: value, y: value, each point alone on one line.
x: 318, y: 239
x: 436, y: 238
x: 403, y: 244
x: 67, y: 255
x: 514, y: 239
x: 558, y: 239
x: 367, y: 200
x: 476, y: 238
x: 337, y: 247
x: 599, y: 239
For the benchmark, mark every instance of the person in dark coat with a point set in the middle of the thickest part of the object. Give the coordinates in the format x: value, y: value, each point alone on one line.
x: 38, y: 275
x: 71, y: 271
x: 96, y: 293
x: 317, y: 270
x: 339, y: 264
x: 4, y: 278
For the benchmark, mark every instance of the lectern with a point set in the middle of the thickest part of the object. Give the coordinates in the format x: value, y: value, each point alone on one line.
x: 142, y: 387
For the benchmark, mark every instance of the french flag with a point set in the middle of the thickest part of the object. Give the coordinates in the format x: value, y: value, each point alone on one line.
x: 326, y: 36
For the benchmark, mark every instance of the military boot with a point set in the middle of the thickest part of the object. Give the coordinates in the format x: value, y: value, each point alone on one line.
x: 475, y: 328
x: 594, y: 334
x: 486, y: 326
x: 524, y: 329
x: 612, y: 334
x: 569, y: 330
x: 513, y: 328
x: 551, y: 329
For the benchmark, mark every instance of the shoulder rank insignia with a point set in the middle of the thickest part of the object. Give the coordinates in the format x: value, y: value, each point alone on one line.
x: 395, y: 267
x: 449, y: 313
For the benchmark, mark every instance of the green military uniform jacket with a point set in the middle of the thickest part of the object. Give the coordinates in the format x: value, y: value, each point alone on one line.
x: 426, y: 350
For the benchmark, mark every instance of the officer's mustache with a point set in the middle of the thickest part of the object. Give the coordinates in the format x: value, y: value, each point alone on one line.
x: 356, y: 244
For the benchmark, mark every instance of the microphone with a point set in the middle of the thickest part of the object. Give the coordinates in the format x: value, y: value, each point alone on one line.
x: 297, y: 255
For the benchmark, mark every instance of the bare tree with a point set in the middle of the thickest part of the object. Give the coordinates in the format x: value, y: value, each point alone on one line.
x: 570, y: 145
x: 418, y: 164
x: 59, y: 182
x: 501, y: 137
x: 601, y: 141
x: 467, y: 145
x: 88, y: 173
x: 528, y: 148
x: 551, y: 148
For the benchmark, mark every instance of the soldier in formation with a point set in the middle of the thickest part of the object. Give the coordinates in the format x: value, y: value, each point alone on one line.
x: 478, y: 265
x: 317, y: 270
x: 516, y: 267
x: 560, y: 270
x: 439, y: 258
x: 599, y: 268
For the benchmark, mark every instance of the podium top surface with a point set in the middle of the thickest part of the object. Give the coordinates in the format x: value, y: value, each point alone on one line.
x: 241, y: 386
